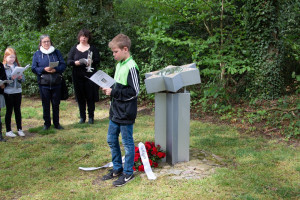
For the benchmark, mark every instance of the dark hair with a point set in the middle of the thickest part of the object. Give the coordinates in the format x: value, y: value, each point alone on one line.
x: 86, y: 33
x: 44, y: 36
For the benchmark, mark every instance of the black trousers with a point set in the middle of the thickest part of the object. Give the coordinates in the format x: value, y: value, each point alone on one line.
x: 50, y: 95
x: 85, y: 95
x: 13, y: 103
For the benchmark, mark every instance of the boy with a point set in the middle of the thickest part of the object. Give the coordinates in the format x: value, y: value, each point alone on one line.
x: 123, y: 110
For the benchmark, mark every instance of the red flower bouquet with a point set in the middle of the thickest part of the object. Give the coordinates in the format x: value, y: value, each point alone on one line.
x: 155, y: 154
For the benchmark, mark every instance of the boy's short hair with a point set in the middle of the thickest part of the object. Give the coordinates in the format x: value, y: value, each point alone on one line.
x: 120, y: 41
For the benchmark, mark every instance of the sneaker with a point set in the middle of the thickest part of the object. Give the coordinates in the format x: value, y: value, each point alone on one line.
x: 10, y: 134
x: 122, y: 180
x: 112, y: 174
x: 1, y: 138
x: 21, y: 133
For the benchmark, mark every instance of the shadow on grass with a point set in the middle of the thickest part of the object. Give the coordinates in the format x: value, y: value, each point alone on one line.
x: 52, y: 130
x: 41, y: 131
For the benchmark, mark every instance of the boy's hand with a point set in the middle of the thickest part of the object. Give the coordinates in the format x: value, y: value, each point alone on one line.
x: 106, y: 91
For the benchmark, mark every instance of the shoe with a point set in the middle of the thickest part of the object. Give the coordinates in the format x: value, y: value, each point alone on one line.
x: 122, y: 180
x: 1, y: 138
x: 91, y: 121
x: 21, y: 133
x: 10, y: 134
x: 81, y: 121
x: 59, y: 127
x: 46, y: 128
x: 112, y: 174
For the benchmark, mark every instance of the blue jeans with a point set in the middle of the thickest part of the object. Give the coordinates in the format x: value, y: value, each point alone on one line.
x: 114, y: 130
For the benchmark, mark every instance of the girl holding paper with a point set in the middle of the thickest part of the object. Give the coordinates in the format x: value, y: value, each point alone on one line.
x: 13, y: 92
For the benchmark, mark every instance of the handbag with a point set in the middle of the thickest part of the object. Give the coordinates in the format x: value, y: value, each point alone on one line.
x: 50, y: 79
x: 64, y: 91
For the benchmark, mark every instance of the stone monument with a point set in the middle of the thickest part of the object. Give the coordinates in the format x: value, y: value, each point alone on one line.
x: 172, y: 108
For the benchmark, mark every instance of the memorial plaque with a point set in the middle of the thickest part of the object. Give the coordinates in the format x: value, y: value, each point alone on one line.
x: 172, y: 78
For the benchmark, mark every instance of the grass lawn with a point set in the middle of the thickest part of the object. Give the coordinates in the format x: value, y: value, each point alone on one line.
x: 44, y: 164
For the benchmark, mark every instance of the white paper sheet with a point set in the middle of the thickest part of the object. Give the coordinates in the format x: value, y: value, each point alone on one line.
x: 5, y: 81
x: 110, y: 164
x: 53, y: 64
x: 19, y: 70
x: 102, y: 79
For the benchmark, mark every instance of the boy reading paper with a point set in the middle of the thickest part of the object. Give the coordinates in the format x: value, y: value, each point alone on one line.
x: 123, y: 110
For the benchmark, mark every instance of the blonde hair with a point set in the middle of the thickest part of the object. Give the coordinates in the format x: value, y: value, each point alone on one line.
x: 120, y: 41
x: 10, y: 51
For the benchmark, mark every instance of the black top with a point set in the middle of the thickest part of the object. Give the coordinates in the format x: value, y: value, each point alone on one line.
x: 2, y: 76
x: 81, y: 71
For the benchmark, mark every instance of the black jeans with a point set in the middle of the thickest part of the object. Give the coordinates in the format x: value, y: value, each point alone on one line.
x: 85, y: 95
x: 50, y: 95
x: 13, y: 102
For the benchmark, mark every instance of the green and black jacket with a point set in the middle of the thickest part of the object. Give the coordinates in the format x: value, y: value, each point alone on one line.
x: 124, y: 92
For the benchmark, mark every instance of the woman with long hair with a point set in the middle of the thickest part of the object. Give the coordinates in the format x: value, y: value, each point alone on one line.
x: 13, y: 92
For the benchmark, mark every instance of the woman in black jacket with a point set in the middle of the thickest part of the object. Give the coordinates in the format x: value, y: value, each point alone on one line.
x: 49, y: 79
x: 86, y: 91
x: 2, y: 101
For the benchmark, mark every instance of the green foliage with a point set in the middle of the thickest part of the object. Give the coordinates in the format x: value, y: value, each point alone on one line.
x: 21, y: 27
x: 180, y: 32
x: 25, y: 51
x: 281, y: 116
x: 239, y: 47
x: 261, y: 23
x: 268, y: 25
x: 243, y: 46
x: 214, y: 99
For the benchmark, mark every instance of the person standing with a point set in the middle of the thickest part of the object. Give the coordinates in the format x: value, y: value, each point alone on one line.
x: 123, y: 110
x: 86, y: 91
x: 2, y: 100
x: 49, y: 79
x: 13, y: 92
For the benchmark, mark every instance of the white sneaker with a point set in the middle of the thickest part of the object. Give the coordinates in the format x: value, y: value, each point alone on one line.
x: 21, y: 133
x: 10, y: 134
